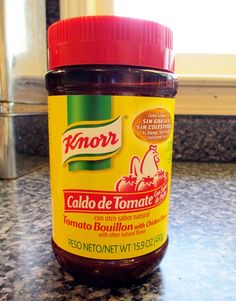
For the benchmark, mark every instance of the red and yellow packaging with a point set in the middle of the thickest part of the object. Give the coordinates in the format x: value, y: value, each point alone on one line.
x: 110, y: 160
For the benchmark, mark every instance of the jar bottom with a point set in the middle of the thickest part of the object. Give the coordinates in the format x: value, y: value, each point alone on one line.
x: 109, y: 272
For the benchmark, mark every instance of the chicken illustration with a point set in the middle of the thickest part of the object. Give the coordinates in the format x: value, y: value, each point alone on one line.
x: 143, y: 173
x: 148, y: 166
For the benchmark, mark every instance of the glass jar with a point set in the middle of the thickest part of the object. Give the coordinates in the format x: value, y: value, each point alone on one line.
x: 105, y: 219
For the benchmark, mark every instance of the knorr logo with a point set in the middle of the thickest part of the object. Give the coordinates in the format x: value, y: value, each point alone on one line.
x: 91, y: 140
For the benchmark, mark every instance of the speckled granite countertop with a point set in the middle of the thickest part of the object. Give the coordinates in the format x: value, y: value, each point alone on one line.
x: 201, y: 259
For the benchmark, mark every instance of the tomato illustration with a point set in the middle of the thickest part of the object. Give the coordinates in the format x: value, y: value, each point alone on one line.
x: 126, y: 184
x: 144, y: 173
x: 146, y: 183
x: 160, y: 178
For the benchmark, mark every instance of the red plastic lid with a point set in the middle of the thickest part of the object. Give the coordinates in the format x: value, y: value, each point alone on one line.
x: 110, y: 40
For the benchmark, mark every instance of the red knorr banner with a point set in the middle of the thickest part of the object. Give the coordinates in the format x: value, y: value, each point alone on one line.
x: 92, y: 201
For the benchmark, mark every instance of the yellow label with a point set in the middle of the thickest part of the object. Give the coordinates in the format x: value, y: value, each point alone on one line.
x: 110, y: 160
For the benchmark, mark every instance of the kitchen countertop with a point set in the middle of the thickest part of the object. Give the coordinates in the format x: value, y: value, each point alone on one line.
x: 200, y: 263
